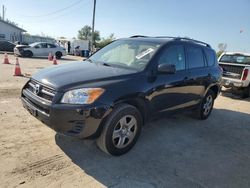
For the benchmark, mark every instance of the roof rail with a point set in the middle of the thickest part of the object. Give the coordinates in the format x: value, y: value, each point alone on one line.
x: 192, y: 40
x: 175, y: 38
x: 186, y: 39
x: 138, y: 36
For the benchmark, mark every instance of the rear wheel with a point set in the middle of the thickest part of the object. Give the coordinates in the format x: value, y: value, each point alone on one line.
x: 206, y: 106
x: 245, y: 92
x: 58, y: 55
x: 121, y: 130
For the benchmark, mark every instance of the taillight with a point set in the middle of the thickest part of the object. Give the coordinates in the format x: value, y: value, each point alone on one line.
x: 245, y: 74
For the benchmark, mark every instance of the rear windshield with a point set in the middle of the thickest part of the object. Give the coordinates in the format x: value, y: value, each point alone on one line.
x: 242, y: 59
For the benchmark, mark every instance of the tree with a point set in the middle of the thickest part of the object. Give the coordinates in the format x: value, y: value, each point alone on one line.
x: 86, y: 32
x: 219, y: 53
x: 222, y: 48
x: 106, y: 41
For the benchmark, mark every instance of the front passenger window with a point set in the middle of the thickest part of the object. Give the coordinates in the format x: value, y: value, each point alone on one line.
x: 173, y: 55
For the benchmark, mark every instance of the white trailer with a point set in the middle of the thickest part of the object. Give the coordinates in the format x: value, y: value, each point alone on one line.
x: 78, y: 45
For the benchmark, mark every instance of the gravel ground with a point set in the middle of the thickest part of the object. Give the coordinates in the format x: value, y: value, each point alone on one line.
x: 175, y: 151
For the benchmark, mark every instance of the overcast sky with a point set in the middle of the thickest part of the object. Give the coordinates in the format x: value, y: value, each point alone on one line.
x: 212, y: 21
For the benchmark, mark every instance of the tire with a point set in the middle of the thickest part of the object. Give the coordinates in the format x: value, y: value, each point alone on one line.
x: 58, y: 55
x: 121, y: 130
x: 245, y: 92
x: 206, y: 106
x: 28, y: 54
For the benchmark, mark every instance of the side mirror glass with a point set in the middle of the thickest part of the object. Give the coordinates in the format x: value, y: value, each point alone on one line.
x: 166, y: 68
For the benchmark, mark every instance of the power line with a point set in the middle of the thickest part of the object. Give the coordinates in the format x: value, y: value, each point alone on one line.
x: 55, y: 17
x: 55, y: 12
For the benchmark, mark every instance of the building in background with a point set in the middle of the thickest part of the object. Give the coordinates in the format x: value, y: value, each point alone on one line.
x: 10, y: 32
x: 35, y: 38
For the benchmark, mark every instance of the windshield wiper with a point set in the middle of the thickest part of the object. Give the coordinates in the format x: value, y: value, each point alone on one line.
x: 106, y: 64
x: 89, y: 60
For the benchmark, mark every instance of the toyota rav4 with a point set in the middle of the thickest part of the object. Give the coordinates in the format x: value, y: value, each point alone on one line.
x: 119, y: 88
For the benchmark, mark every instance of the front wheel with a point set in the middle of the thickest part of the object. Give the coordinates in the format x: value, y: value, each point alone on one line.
x: 27, y: 53
x: 206, y: 106
x: 121, y: 130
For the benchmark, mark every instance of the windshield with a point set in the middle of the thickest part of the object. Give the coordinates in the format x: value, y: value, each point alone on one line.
x: 235, y: 59
x: 33, y: 44
x: 126, y: 53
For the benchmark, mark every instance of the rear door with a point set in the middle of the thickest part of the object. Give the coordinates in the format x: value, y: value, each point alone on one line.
x: 51, y: 48
x: 199, y: 72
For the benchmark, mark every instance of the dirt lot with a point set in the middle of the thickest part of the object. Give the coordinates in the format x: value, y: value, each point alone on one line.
x: 176, y: 151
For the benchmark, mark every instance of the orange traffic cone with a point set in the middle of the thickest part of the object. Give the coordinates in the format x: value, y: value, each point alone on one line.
x: 54, y: 60
x: 6, y: 59
x: 17, y: 69
x: 50, y: 57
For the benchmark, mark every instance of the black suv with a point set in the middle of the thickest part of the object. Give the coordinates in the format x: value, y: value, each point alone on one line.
x: 113, y: 93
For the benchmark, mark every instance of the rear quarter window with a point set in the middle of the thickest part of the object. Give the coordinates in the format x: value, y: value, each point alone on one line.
x: 210, y: 56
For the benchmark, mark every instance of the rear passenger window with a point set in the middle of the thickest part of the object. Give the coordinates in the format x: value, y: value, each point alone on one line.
x: 195, y: 57
x: 51, y: 45
x: 210, y: 55
x: 174, y: 55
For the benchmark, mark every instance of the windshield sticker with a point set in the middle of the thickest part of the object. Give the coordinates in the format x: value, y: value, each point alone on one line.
x: 144, y: 53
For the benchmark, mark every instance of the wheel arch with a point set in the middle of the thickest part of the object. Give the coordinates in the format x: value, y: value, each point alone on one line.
x: 215, y: 88
x: 139, y: 103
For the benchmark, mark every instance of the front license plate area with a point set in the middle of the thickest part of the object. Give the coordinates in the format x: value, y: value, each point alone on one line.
x: 31, y: 110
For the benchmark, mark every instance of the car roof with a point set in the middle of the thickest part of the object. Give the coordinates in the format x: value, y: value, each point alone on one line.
x: 166, y: 39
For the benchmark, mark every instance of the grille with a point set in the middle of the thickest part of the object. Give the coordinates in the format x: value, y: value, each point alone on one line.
x: 41, y: 90
x: 232, y: 71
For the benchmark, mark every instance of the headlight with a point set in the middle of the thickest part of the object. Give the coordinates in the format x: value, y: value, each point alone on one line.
x: 82, y: 96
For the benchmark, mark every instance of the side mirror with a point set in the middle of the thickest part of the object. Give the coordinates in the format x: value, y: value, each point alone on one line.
x: 166, y: 68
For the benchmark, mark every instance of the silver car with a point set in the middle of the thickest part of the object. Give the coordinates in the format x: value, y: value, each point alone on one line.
x: 39, y: 49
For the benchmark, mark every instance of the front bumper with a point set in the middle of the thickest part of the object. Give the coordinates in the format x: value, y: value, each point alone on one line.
x: 71, y: 120
x: 234, y: 83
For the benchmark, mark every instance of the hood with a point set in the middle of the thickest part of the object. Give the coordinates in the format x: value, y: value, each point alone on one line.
x: 70, y: 75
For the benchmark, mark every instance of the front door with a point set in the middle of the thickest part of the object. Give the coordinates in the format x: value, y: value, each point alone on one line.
x: 171, y: 91
x: 40, y: 49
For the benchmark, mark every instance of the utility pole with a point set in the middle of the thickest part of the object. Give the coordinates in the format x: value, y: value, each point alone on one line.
x: 3, y: 13
x: 93, y: 28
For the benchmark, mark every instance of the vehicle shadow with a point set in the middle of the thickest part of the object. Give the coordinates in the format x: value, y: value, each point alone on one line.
x: 177, y: 151
x: 231, y: 94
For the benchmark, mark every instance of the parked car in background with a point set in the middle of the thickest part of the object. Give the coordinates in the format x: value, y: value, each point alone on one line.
x: 39, y: 49
x: 236, y: 71
x: 120, y: 87
x: 6, y: 46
